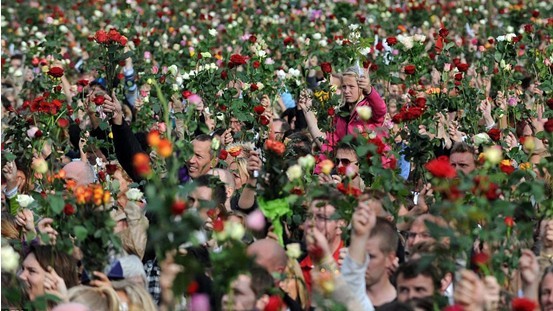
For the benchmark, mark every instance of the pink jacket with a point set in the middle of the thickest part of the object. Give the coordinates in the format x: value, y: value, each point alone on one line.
x: 355, y: 125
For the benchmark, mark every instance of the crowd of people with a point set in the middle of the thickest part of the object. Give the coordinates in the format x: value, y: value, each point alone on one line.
x: 268, y: 155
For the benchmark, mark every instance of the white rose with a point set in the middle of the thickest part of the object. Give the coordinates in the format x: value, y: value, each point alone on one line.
x: 10, y: 259
x: 32, y: 131
x: 419, y: 38
x: 407, y: 41
x: 246, y: 86
x: 493, y: 154
x: 213, y: 32
x: 281, y: 74
x: 317, y: 36
x: 173, y: 70
x: 64, y: 29
x: 447, y: 67
x: 307, y: 161
x: 510, y: 36
x: 323, y: 43
x: 293, y: 250
x: 481, y: 138
x: 215, y: 143
x: 205, y: 54
x: 235, y: 230
x: 364, y: 112
x: 353, y: 27
x: 134, y: 194
x: 176, y: 46
x: 24, y: 200
x: 261, y: 53
x: 294, y: 172
x: 501, y: 38
x: 260, y: 85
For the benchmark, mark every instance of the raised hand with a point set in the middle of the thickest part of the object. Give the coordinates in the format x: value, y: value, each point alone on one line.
x: 468, y: 292
x: 254, y: 162
x: 113, y: 106
x: 54, y: 284
x: 45, y: 227
x: 10, y: 173
x: 365, y: 85
x: 25, y: 219
x: 529, y: 273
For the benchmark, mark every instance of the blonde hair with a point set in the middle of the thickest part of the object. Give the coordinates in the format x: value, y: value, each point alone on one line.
x: 139, y: 298
x: 96, y: 298
x: 350, y: 72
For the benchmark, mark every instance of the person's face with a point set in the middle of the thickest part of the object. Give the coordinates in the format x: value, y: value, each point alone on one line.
x: 378, y: 264
x: 418, y: 234
x: 239, y: 177
x: 200, y: 163
x: 276, y: 129
x: 235, y: 125
x: 321, y: 214
x: 241, y: 296
x: 350, y: 89
x: 418, y: 287
x: 32, y: 276
x: 546, y: 293
x: 15, y: 63
x: 463, y: 162
x: 200, y: 198
x: 348, y: 159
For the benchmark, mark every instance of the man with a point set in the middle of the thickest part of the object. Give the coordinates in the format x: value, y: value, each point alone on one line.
x: 202, y: 160
x: 321, y: 214
x: 462, y: 158
x: 269, y: 255
x: 418, y: 232
x: 381, y: 248
x: 278, y: 128
x: 227, y: 179
x: 80, y: 172
x: 208, y: 194
x: 415, y: 279
x: 249, y: 291
x: 347, y: 164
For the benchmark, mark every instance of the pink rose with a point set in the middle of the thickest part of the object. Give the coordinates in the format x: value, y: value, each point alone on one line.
x: 256, y: 220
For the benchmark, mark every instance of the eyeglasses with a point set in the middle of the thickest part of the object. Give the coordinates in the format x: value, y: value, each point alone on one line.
x: 345, y: 161
x: 320, y: 217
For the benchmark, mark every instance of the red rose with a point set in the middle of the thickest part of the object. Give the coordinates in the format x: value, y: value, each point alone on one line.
x: 420, y: 102
x: 123, y: 40
x: 441, y: 168
x: 495, y: 134
x: 224, y: 75
x: 507, y: 169
x: 192, y: 288
x: 264, y: 120
x: 326, y: 67
x: 256, y: 64
x: 111, y: 168
x: 454, y: 308
x: 56, y: 72
x: 331, y: 112
x: 254, y: 87
x: 101, y: 37
x: 38, y: 134
x: 548, y: 126
x: 186, y: 93
x: 275, y: 303
x: 68, y: 209
x: 458, y: 76
x: 218, y: 225
x: 409, y: 69
x: 238, y: 59
x: 315, y: 252
x: 252, y: 39
x: 178, y: 207
x: 102, y: 176
x: 259, y: 109
x: 509, y: 221
x: 535, y: 13
x: 114, y: 35
x: 379, y: 46
x: 456, y: 61
x: 528, y: 28
x: 223, y: 154
x: 82, y: 82
x: 391, y: 41
x: 288, y: 41
x: 398, y: 118
x: 493, y: 192
x: 63, y: 122
x: 443, y: 32
x: 480, y: 258
x: 523, y: 304
x: 463, y: 67
x: 99, y: 100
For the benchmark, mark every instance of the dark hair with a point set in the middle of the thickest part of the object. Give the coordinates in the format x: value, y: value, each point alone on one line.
x: 262, y: 281
x: 387, y: 232
x: 395, y: 306
x: 219, y: 195
x: 299, y: 144
x: 461, y: 147
x: 413, y: 268
x: 64, y: 265
x: 426, y: 303
x: 205, y: 138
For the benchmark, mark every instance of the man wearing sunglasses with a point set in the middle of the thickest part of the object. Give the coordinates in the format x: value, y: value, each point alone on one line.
x: 346, y: 165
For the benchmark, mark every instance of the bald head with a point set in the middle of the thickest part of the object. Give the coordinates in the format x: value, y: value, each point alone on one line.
x: 71, y: 306
x: 80, y: 172
x: 268, y: 254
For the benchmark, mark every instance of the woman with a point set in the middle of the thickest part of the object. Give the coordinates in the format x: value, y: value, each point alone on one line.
x: 95, y: 298
x: 47, y: 269
x: 133, y: 295
x: 356, y: 92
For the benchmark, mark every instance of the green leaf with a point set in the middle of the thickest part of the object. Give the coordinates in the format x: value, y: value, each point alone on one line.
x: 8, y: 156
x: 56, y: 203
x: 80, y: 232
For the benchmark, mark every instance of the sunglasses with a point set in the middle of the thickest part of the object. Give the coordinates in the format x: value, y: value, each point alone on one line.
x: 345, y: 162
